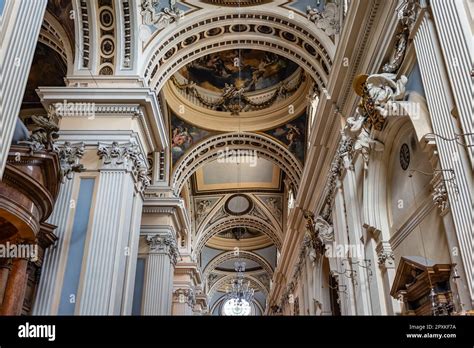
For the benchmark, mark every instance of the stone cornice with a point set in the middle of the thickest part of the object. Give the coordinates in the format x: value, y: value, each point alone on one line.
x: 138, y: 101
x: 189, y: 268
x: 171, y: 206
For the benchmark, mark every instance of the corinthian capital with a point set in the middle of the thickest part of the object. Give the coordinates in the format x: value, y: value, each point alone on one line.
x: 165, y: 244
x: 125, y: 156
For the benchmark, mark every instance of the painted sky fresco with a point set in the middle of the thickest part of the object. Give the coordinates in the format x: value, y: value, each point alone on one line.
x: 251, y: 70
x: 293, y: 135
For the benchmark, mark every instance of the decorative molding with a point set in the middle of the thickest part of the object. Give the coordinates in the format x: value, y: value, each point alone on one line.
x: 295, y: 43
x: 127, y: 35
x: 407, y: 16
x: 107, y: 37
x: 184, y: 296
x: 163, y: 244
x: 84, y: 30
x: 209, y: 150
x: 125, y: 156
x: 440, y: 193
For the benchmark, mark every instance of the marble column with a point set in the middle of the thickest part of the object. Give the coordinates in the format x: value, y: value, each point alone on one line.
x: 453, y: 158
x: 21, y: 24
x: 15, y: 288
x: 111, y: 236
x: 158, y: 290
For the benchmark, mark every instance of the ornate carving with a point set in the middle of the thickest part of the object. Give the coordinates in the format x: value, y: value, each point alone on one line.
x: 163, y: 244
x: 407, y: 15
x: 234, y: 100
x: 324, y: 230
x: 327, y: 19
x: 160, y: 17
x: 185, y: 296
x: 440, y: 195
x: 362, y: 140
x: 398, y: 54
x: 43, y: 137
x: 128, y: 155
x: 385, y: 255
x: 274, y: 205
x: 68, y: 156
x: 203, y: 208
x: 378, y: 92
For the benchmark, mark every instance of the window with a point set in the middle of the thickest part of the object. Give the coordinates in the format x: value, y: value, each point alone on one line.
x: 234, y: 307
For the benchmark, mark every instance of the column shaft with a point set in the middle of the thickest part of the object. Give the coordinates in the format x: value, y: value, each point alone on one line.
x: 49, y: 287
x: 15, y: 288
x: 452, y: 155
x: 107, y: 250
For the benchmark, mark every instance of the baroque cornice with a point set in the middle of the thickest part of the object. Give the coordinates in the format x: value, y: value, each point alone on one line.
x: 140, y: 102
x: 169, y: 205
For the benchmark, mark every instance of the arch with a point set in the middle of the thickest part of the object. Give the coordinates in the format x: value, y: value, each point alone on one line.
x: 245, y: 221
x: 229, y: 255
x: 375, y: 182
x: 209, y: 150
x: 53, y: 35
x: 306, y: 45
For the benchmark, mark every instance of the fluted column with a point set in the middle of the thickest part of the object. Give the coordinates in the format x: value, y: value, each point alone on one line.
x: 111, y: 235
x: 453, y: 157
x: 49, y: 287
x: 20, y: 28
x: 460, y: 287
x: 454, y: 32
x: 158, y: 290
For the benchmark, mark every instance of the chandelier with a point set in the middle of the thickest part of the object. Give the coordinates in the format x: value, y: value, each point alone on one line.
x: 239, y: 290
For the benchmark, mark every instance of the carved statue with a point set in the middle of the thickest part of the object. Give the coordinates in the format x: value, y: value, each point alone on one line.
x: 160, y: 18
x: 273, y: 206
x: 362, y: 139
x: 325, y: 230
x: 203, y: 208
x: 327, y: 20
x: 378, y: 92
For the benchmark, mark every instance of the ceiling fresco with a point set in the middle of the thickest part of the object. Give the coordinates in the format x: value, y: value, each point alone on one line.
x: 250, y: 70
x: 293, y: 135
x: 184, y: 136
